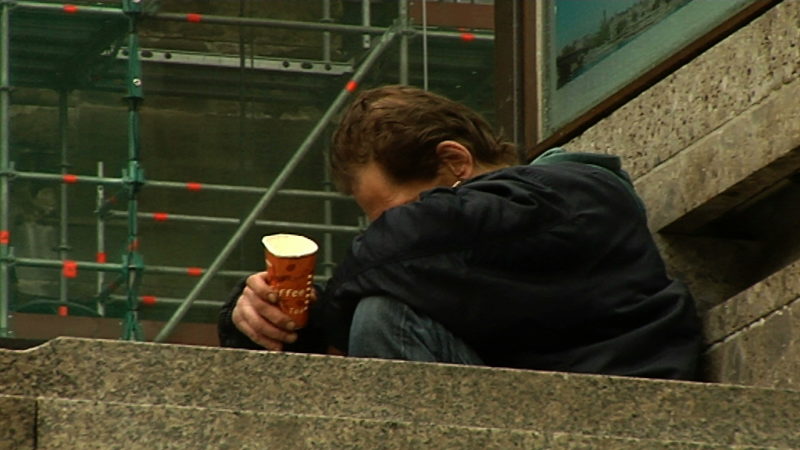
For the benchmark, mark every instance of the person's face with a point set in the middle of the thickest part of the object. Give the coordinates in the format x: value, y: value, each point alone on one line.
x: 375, y: 192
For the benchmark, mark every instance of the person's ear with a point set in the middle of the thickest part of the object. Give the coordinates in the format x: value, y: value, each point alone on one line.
x: 455, y: 159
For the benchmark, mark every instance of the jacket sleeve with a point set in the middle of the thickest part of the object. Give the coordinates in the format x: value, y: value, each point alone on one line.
x: 310, y: 339
x: 229, y: 335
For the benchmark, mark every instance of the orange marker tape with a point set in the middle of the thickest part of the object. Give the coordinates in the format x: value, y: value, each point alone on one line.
x: 194, y: 271
x: 69, y: 178
x: 70, y: 269
x: 70, y: 9
x: 351, y: 86
x: 194, y: 186
x: 5, y: 237
x: 63, y: 311
x: 194, y: 17
x: 467, y: 37
x: 149, y: 300
x: 161, y: 217
x: 101, y: 257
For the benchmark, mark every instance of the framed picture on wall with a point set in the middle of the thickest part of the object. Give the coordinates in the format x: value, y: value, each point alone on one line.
x: 577, y: 60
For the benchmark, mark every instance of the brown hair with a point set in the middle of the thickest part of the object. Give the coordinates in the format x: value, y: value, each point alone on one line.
x: 399, y: 128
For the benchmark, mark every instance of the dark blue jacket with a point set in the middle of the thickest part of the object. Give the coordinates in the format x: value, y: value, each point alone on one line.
x: 549, y: 266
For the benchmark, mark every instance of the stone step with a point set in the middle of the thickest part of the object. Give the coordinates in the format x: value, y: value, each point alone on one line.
x: 85, y: 424
x: 403, y: 392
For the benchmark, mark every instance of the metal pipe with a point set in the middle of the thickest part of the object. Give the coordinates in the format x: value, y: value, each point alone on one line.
x: 65, y: 7
x: 459, y: 35
x: 72, y: 178
x: 326, y: 35
x: 101, y: 239
x: 366, y: 20
x: 425, y: 45
x: 133, y: 262
x: 402, y: 19
x: 105, y: 267
x: 273, y: 23
x: 63, y: 245
x: 371, y: 58
x: 5, y: 197
x: 175, y: 301
x: 327, y: 239
x: 246, y: 21
x: 327, y: 227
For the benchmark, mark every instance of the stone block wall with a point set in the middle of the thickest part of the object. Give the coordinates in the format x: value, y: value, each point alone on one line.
x: 714, y: 150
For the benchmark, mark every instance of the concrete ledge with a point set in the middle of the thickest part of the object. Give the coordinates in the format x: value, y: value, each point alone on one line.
x: 81, y: 424
x: 748, y: 308
x: 727, y: 167
x: 86, y: 424
x: 435, y: 394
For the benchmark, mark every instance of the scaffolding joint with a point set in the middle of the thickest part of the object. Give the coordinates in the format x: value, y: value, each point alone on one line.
x: 10, y: 172
x: 133, y: 177
x: 132, y: 6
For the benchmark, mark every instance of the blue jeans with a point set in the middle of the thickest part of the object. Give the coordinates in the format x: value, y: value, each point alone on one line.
x: 386, y: 328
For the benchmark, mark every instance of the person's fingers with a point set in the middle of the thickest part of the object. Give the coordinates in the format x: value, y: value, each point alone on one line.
x: 244, y: 326
x: 268, y: 310
x: 259, y: 284
x: 262, y: 321
x: 256, y: 319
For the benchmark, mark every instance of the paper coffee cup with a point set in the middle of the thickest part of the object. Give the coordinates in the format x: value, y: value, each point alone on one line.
x: 290, y: 260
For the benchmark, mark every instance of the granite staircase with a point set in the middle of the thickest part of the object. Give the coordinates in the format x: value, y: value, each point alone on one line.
x: 84, y: 393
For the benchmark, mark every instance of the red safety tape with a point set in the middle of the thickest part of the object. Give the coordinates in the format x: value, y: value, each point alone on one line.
x: 194, y: 271
x: 149, y: 300
x: 70, y: 9
x: 5, y: 237
x: 467, y: 37
x: 194, y: 17
x: 69, y: 178
x: 351, y: 86
x: 63, y: 311
x: 101, y: 257
x: 194, y: 186
x: 160, y: 216
x: 70, y: 269
x: 133, y: 246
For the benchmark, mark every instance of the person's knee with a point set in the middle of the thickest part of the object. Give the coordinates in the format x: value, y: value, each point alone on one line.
x: 375, y: 316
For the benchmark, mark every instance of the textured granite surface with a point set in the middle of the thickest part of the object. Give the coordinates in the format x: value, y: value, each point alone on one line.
x: 445, y: 395
x: 17, y: 422
x: 714, y: 88
x: 765, y: 353
x: 729, y: 165
x: 779, y: 291
x: 67, y: 424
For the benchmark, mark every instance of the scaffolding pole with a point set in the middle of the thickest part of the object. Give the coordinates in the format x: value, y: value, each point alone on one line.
x: 402, y: 19
x: 211, y: 19
x: 351, y: 86
x: 190, y: 186
x: 63, y: 244
x: 132, y: 261
x: 5, y: 197
x: 186, y: 218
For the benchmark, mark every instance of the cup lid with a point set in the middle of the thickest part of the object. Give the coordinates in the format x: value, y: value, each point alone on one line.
x: 286, y: 245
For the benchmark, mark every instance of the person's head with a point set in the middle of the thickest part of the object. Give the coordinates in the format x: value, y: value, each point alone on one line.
x: 394, y: 142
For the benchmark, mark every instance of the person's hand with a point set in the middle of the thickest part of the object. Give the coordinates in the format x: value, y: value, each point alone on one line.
x: 258, y: 316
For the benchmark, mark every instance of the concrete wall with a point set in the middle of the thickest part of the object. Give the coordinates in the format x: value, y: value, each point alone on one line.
x: 714, y: 150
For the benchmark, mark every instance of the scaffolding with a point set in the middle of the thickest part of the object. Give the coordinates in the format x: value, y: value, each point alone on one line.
x: 98, y: 37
